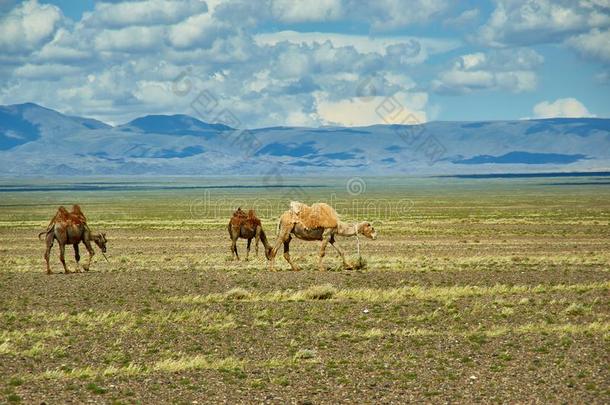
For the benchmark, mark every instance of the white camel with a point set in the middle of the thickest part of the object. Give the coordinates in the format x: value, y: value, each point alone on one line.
x: 318, y: 222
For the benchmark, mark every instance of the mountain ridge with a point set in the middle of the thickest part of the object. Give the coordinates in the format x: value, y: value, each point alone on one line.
x: 181, y: 144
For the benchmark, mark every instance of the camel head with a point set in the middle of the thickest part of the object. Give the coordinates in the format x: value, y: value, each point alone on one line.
x: 268, y: 252
x: 367, y: 230
x: 100, y: 240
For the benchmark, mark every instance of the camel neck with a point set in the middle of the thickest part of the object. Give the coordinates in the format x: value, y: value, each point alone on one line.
x: 348, y: 229
x: 264, y: 240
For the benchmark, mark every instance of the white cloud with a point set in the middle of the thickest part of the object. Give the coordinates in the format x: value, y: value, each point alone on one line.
x: 302, y: 11
x: 150, y: 12
x: 563, y: 107
x: 27, y: 26
x: 46, y: 71
x: 388, y: 15
x: 380, y: 15
x: 130, y: 39
x: 524, y: 22
x: 511, y: 70
x: 199, y: 30
x: 400, y: 108
x: 363, y: 43
x: 594, y: 44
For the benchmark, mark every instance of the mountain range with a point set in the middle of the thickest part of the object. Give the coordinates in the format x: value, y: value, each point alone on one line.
x: 37, y: 141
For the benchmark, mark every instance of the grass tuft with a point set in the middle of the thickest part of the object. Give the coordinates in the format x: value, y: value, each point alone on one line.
x: 237, y: 294
x: 320, y: 292
x: 304, y: 354
x: 360, y: 264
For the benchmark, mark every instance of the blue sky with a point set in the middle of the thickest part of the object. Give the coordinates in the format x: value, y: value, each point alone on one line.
x: 308, y: 63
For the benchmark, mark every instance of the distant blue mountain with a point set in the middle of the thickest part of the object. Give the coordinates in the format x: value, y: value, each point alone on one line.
x: 524, y: 158
x: 15, y: 129
x: 183, y: 145
x: 173, y: 125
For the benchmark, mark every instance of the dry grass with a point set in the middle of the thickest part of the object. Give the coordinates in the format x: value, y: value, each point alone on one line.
x: 328, y: 291
x: 507, y: 285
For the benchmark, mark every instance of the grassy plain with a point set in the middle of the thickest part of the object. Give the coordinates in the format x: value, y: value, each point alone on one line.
x: 476, y: 290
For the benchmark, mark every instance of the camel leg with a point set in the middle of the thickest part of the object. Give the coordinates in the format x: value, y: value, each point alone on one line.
x: 49, y: 241
x: 283, y: 236
x: 287, y: 255
x: 234, y: 254
x: 62, y: 256
x: 248, y: 248
x: 257, y: 238
x: 91, y: 253
x: 332, y: 243
x: 77, y: 257
x: 325, y: 239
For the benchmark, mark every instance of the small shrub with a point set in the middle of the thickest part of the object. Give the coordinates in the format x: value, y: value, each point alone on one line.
x: 575, y: 309
x: 304, y: 354
x: 238, y: 293
x: 320, y: 292
x: 507, y: 311
x: 360, y: 264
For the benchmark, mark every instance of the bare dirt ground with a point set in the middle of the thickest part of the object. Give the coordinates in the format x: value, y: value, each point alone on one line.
x: 502, y: 302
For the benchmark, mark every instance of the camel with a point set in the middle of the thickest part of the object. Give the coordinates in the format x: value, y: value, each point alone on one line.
x: 296, y: 222
x: 71, y: 228
x: 247, y: 226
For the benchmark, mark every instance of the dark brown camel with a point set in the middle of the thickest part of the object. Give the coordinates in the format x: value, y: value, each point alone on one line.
x: 71, y: 228
x: 247, y: 226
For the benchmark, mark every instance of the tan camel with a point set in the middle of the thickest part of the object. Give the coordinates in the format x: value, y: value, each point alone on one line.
x: 292, y: 224
x: 247, y: 226
x: 71, y: 228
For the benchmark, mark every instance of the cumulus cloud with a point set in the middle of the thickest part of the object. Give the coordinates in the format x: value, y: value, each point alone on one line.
x: 561, y: 108
x: 496, y: 70
x: 524, y: 22
x: 380, y: 15
x: 27, y: 26
x: 45, y: 71
x: 150, y: 12
x: 594, y: 44
x: 302, y: 11
x: 411, y: 49
x: 400, y: 108
x: 130, y: 39
x: 120, y: 60
x: 388, y: 15
x: 197, y: 31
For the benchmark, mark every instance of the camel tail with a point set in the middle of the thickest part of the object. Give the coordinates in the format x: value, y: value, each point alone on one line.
x: 49, y: 229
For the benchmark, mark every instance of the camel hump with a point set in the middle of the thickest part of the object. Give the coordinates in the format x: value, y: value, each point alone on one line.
x: 240, y: 217
x: 78, y: 216
x: 296, y: 207
x: 62, y: 215
x: 253, y: 219
x: 239, y: 213
x: 318, y: 215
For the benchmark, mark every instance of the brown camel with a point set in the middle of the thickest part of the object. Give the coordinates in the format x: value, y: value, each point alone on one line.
x: 291, y: 224
x: 247, y: 226
x: 71, y: 228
